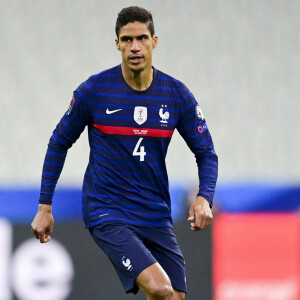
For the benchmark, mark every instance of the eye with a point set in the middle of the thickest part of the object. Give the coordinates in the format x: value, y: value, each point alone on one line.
x: 126, y: 39
x: 143, y: 37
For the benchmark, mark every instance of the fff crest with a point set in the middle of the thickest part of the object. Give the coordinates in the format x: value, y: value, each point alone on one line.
x: 140, y: 114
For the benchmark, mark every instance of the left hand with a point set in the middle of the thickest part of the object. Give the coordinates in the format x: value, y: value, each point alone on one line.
x: 43, y: 223
x: 200, y: 212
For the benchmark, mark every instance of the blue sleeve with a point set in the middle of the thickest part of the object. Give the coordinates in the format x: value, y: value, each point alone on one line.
x: 65, y: 134
x: 193, y: 128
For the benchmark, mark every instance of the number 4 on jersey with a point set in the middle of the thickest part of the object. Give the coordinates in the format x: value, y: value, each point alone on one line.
x: 140, y: 153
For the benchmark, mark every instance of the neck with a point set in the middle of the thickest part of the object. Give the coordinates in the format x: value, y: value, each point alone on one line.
x: 139, y: 80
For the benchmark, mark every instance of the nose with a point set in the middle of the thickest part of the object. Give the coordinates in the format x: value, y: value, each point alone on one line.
x: 135, y: 46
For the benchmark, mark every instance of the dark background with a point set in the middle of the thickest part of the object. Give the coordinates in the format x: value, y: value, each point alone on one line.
x: 95, y: 277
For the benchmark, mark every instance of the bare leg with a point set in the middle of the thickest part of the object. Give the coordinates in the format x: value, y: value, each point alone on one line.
x: 179, y: 295
x: 155, y: 283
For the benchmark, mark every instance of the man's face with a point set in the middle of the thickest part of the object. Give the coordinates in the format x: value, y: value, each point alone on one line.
x: 136, y: 45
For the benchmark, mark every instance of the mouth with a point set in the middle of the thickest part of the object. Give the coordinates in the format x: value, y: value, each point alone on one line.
x: 135, y: 59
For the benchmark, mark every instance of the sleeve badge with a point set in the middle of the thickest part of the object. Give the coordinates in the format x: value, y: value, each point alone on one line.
x: 199, y: 112
x: 71, y: 105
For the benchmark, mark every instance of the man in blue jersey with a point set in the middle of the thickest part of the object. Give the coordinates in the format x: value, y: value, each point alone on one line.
x: 131, y: 111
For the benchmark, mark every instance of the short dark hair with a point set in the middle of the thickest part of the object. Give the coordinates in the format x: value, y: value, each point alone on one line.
x: 134, y: 13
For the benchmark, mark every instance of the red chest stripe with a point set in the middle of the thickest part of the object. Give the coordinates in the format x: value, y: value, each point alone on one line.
x: 134, y: 131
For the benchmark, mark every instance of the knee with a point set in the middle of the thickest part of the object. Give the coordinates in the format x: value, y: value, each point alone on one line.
x: 163, y: 292
x: 179, y: 295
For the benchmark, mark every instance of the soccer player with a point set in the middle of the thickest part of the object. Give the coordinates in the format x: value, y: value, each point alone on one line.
x: 131, y: 111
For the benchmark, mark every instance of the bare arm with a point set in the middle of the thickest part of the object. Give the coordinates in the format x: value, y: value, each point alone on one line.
x: 43, y: 223
x: 200, y: 213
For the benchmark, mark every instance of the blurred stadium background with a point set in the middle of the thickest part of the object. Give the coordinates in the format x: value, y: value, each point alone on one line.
x: 241, y: 60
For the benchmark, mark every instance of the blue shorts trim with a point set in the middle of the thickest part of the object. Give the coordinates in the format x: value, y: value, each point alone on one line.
x: 133, y: 249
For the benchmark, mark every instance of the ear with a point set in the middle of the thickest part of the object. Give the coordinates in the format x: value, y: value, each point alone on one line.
x: 155, y: 41
x: 117, y: 44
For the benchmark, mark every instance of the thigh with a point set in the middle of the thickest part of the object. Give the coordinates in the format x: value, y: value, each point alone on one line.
x: 154, y: 280
x: 179, y: 295
x: 163, y: 245
x: 125, y: 250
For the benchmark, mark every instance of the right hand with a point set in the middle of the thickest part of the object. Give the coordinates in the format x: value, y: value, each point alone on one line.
x: 43, y: 223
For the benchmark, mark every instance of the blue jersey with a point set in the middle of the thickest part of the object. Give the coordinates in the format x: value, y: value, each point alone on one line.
x: 129, y: 133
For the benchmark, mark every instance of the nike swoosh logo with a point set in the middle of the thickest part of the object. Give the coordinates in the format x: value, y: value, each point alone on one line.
x: 112, y: 111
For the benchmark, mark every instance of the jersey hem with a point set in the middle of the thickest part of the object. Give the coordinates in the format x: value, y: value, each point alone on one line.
x: 130, y: 222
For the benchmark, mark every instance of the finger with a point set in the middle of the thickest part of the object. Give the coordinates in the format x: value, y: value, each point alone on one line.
x: 49, y: 231
x: 200, y: 222
x: 47, y: 235
x: 47, y: 238
x: 203, y: 221
x: 194, y: 227
x: 35, y: 233
x: 44, y: 237
x: 191, y: 215
x: 38, y: 235
x: 206, y: 221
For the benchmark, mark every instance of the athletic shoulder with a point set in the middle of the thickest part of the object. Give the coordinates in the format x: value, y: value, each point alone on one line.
x: 102, y: 77
x: 178, y: 91
x: 106, y: 75
x: 86, y: 89
x: 170, y: 83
